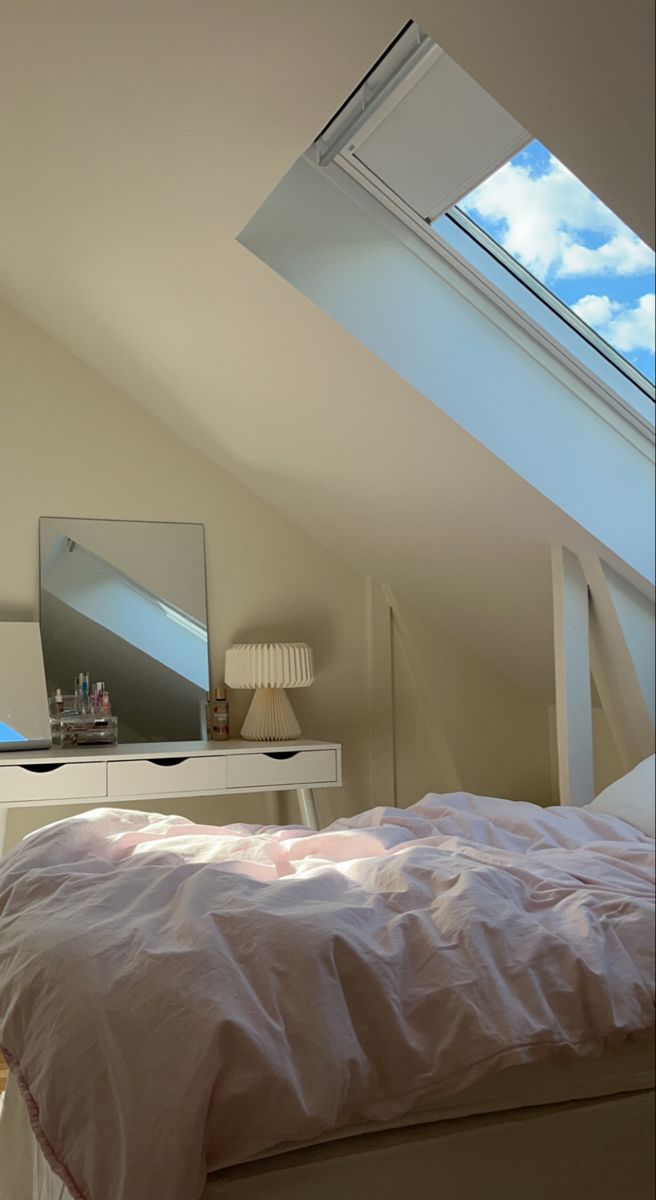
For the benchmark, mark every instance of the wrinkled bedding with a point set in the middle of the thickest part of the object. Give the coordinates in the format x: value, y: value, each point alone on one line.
x: 177, y: 998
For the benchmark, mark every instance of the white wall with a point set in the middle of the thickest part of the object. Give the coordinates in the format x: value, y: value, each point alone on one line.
x: 63, y: 429
x: 497, y: 734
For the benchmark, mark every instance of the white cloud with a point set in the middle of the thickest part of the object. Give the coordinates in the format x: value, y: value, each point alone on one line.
x: 623, y: 254
x: 634, y: 329
x: 596, y: 311
x: 624, y: 326
x: 544, y: 218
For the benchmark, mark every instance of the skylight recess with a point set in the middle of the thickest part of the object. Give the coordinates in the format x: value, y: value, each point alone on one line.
x: 566, y: 238
x: 445, y: 157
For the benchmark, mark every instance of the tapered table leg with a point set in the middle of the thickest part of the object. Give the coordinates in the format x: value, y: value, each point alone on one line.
x: 307, y: 805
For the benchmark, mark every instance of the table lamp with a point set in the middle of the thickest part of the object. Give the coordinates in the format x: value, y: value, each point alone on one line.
x: 270, y: 667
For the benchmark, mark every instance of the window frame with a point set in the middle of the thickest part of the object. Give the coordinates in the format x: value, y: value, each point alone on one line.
x: 551, y: 325
x: 546, y: 296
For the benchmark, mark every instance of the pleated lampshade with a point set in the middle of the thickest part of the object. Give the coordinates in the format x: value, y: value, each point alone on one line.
x: 270, y: 667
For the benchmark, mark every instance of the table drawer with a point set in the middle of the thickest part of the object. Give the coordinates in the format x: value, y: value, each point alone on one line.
x: 279, y: 769
x: 53, y: 781
x: 160, y: 776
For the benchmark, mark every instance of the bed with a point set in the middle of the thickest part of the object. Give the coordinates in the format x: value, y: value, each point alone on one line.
x: 461, y: 993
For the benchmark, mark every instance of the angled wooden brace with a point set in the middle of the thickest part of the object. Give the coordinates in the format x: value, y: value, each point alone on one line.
x: 616, y: 675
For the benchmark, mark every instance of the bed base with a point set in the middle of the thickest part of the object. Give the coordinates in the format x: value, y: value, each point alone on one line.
x: 597, y: 1149
x: 585, y: 1150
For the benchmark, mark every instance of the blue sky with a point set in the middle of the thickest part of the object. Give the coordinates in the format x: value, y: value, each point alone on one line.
x: 561, y: 232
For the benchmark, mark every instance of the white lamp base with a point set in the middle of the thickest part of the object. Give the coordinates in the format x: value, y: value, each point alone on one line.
x: 270, y: 718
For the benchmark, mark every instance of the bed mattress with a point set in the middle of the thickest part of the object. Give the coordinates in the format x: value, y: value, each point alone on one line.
x: 624, y: 1068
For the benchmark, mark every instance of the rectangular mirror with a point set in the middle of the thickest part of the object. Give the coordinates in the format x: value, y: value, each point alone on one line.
x: 125, y: 601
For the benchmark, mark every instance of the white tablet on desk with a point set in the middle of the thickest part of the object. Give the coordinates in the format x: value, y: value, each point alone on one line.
x: 24, y: 716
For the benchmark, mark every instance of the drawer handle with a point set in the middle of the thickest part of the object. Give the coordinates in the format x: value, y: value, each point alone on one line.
x: 167, y: 762
x: 42, y: 767
x: 281, y: 753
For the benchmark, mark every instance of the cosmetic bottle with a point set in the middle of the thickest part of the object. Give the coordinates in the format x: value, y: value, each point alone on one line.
x: 56, y: 703
x: 82, y: 691
x: 218, y: 726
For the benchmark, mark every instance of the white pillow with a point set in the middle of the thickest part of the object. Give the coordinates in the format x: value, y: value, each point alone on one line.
x: 632, y: 797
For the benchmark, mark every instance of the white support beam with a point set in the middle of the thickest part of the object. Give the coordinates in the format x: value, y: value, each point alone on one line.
x: 381, y: 698
x: 553, y: 754
x: 615, y: 672
x: 572, y: 661
x: 447, y: 778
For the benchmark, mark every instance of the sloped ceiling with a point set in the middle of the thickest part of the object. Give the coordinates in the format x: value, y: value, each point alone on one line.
x: 139, y: 136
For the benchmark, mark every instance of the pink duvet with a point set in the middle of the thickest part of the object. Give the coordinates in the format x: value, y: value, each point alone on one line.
x: 177, y: 998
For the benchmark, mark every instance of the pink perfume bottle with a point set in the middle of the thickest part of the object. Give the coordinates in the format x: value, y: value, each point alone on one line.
x: 218, y: 713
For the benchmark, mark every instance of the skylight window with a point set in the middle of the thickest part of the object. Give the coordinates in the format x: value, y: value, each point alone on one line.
x: 550, y: 223
x: 439, y: 152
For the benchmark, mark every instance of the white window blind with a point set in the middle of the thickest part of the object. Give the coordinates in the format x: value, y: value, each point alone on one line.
x: 459, y: 136
x: 422, y: 126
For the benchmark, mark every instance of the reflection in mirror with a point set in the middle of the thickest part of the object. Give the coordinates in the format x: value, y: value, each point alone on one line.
x: 125, y: 601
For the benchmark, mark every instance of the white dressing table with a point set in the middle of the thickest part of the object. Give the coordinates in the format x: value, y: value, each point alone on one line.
x: 106, y: 775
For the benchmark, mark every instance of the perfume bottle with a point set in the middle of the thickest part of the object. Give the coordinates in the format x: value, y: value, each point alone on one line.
x: 82, y: 691
x: 218, y: 716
